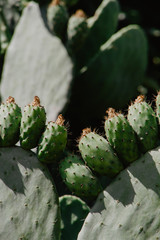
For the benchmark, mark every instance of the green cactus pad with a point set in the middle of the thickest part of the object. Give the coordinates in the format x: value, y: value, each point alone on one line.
x: 73, y: 213
x: 128, y: 208
x: 76, y: 31
x: 52, y: 142
x: 29, y: 206
x: 121, y: 136
x: 158, y: 107
x: 121, y: 61
x: 98, y: 154
x: 32, y: 124
x: 79, y: 178
x: 57, y: 17
x: 10, y: 119
x: 143, y: 120
x: 101, y: 27
x: 37, y: 64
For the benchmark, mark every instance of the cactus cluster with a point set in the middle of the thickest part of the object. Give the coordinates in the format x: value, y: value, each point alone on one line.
x: 119, y: 156
x: 76, y: 63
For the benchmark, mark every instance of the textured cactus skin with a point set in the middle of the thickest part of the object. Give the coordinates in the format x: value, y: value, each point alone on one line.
x: 130, y: 206
x: 76, y: 32
x: 79, y: 178
x: 57, y: 17
x: 99, y: 32
x: 73, y: 213
x: 98, y: 155
x: 122, y: 138
x: 29, y: 206
x: 32, y: 125
x: 52, y: 143
x: 10, y: 118
x: 37, y: 67
x: 143, y: 120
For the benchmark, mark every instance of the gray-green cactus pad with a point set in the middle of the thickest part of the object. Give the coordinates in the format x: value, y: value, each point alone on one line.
x: 29, y: 206
x: 37, y: 64
x: 129, y: 208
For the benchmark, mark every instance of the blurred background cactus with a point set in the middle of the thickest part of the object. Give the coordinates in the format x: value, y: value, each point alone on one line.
x: 80, y: 58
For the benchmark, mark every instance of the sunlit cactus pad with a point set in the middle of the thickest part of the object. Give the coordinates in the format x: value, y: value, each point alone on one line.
x: 29, y: 206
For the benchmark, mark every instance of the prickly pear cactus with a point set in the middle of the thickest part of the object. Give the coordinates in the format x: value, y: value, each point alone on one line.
x: 10, y: 119
x: 53, y: 141
x: 32, y: 124
x: 129, y: 207
x: 121, y: 136
x: 79, y: 178
x: 100, y: 28
x: 38, y: 62
x: 77, y: 30
x: 29, y: 206
x: 57, y: 17
x: 121, y: 61
x: 73, y: 214
x: 158, y: 107
x: 98, y: 154
x: 144, y: 122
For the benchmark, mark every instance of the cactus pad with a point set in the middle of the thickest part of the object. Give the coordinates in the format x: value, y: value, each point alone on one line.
x: 29, y: 206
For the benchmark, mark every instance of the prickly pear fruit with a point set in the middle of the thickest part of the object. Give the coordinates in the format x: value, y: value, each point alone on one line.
x: 79, y: 178
x: 121, y: 136
x: 57, y: 17
x: 10, y: 118
x: 32, y: 124
x: 143, y: 120
x: 98, y: 154
x: 158, y: 106
x: 53, y: 141
x: 76, y: 31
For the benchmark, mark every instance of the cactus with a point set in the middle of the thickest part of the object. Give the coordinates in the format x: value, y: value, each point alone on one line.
x: 57, y: 17
x: 143, y: 120
x: 121, y: 136
x: 37, y: 67
x: 76, y: 31
x: 158, y: 107
x: 121, y: 61
x: 98, y: 154
x: 32, y: 124
x: 53, y: 141
x: 129, y: 206
x: 101, y: 27
x: 79, y: 178
x: 10, y: 119
x: 73, y: 213
x: 29, y: 205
